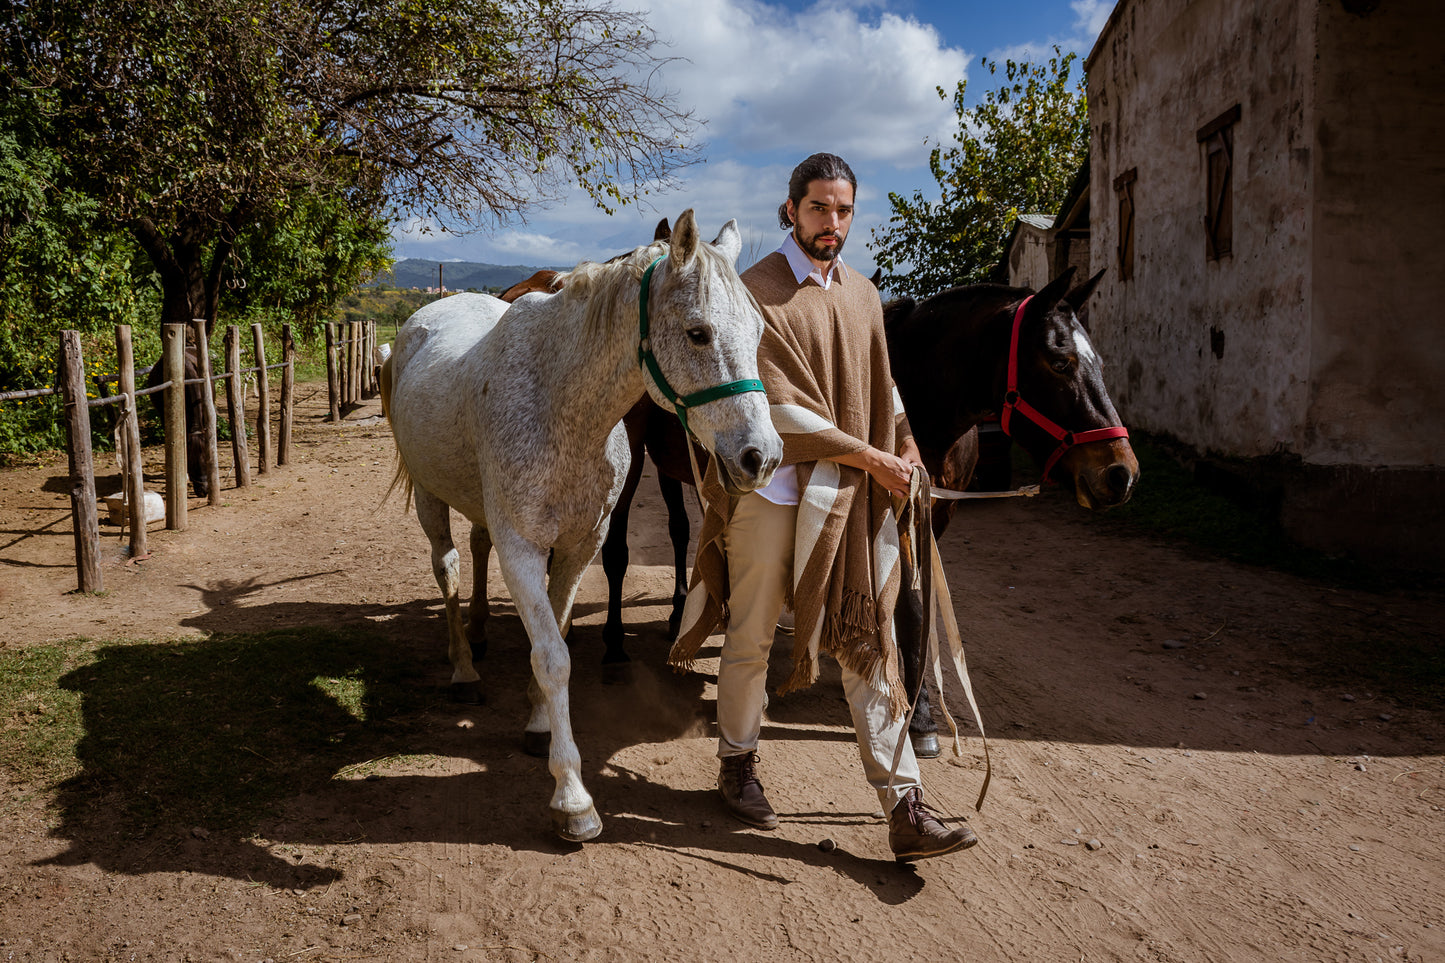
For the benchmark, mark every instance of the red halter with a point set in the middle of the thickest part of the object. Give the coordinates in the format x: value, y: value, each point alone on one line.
x: 1013, y: 402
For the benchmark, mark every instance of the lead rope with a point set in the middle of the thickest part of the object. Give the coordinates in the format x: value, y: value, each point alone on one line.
x: 916, y: 538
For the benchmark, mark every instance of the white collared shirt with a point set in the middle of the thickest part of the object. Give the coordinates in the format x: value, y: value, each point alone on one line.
x: 783, y: 489
x: 804, y: 268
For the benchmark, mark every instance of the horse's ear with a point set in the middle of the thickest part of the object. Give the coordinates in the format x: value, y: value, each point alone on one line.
x: 896, y: 310
x: 1047, y: 299
x: 662, y: 232
x: 684, y: 241
x: 729, y: 241
x: 1078, y: 295
x: 877, y: 278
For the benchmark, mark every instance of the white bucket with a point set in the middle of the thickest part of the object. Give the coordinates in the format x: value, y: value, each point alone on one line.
x: 155, y: 507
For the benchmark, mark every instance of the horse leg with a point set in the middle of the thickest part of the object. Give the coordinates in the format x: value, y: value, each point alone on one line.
x: 563, y: 579
x: 908, y: 617
x: 922, y: 729
x: 479, y: 610
x: 435, y: 519
x: 616, y: 663
x: 542, y: 608
x: 679, y: 529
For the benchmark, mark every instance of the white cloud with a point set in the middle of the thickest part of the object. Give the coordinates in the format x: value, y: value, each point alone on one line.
x: 1091, y: 16
x: 774, y: 85
x: 1089, y: 19
x: 530, y: 247
x: 769, y: 79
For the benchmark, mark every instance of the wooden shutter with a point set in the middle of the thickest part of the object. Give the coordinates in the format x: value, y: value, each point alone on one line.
x: 1124, y: 188
x: 1217, y: 138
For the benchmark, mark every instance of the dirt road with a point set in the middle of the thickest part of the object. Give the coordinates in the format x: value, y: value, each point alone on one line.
x: 1177, y: 777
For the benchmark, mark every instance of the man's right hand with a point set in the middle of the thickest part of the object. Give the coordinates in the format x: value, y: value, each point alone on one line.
x: 890, y: 471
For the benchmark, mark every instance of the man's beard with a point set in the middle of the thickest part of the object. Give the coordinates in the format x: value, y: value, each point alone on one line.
x: 820, y: 252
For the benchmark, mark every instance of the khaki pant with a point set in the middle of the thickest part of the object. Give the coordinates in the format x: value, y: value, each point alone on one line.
x: 759, y: 544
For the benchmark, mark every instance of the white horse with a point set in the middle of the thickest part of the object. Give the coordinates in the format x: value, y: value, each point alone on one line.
x: 510, y: 414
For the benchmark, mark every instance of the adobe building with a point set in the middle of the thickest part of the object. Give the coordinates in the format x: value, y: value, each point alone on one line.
x: 1268, y: 181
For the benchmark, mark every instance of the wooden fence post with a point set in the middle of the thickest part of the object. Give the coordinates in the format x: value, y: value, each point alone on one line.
x: 343, y: 336
x: 333, y: 386
x: 236, y: 407
x: 134, y: 475
x: 263, y: 400
x: 371, y: 364
x: 208, y: 410
x: 366, y: 360
x: 174, y: 359
x: 84, y: 512
x: 356, y: 362
x: 288, y: 390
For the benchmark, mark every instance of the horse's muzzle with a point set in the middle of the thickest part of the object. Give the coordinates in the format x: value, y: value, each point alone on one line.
x: 1104, y: 473
x: 751, y: 468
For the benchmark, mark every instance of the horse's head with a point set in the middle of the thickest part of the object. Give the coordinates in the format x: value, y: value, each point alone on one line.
x: 1060, y: 377
x: 704, y: 329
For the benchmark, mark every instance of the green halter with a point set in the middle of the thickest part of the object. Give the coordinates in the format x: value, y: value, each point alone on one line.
x: 648, y: 360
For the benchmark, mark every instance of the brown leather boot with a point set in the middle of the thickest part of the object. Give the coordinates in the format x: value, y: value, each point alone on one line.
x: 737, y: 781
x: 914, y: 832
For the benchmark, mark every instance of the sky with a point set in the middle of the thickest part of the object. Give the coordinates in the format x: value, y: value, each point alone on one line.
x: 775, y: 81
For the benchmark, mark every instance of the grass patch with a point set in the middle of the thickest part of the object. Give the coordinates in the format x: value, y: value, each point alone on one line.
x: 212, y: 732
x: 43, y: 723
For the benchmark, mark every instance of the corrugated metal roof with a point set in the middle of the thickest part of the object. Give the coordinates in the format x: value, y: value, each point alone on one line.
x: 1041, y: 221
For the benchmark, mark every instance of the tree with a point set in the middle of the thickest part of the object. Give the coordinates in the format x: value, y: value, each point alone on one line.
x: 190, y: 120
x: 300, y: 261
x: 57, y: 260
x: 1017, y: 152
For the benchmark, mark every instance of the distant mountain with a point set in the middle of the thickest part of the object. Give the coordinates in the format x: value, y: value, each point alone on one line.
x: 415, y: 272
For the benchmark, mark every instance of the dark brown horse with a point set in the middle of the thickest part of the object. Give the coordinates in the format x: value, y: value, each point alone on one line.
x: 987, y: 349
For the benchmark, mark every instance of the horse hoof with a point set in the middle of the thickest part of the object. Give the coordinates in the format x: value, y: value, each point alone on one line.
x: 577, y: 827
x: 537, y: 744
x: 468, y: 693
x: 617, y: 673
x: 925, y: 745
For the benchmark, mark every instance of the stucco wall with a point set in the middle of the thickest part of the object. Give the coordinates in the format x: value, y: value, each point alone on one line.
x: 1213, y: 353
x: 1377, y: 366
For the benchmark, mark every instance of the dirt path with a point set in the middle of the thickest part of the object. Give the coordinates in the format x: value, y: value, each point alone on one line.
x: 1172, y: 780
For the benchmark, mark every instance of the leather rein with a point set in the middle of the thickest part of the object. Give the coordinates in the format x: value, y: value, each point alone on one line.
x: 1013, y: 401
x: 645, y: 357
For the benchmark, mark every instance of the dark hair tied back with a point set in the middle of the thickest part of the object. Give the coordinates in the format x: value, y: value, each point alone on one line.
x: 819, y: 167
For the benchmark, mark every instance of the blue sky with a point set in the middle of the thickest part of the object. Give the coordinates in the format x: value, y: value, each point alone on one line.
x: 776, y: 81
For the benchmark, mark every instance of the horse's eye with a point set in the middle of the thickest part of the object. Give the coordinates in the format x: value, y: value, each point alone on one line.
x: 1062, y: 364
x: 700, y: 335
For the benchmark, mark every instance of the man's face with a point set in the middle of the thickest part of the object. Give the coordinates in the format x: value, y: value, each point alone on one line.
x: 821, y: 220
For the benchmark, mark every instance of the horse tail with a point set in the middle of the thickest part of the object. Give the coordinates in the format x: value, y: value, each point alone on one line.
x: 402, y: 477
x: 386, y: 388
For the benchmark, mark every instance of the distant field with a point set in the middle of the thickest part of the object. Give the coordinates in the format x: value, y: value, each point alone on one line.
x: 455, y: 275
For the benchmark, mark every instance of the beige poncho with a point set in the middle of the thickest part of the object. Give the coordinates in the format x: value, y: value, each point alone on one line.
x: 824, y: 361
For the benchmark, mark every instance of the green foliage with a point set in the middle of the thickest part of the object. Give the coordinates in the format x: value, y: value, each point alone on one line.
x: 1016, y: 153
x: 301, y: 262
x: 191, y: 121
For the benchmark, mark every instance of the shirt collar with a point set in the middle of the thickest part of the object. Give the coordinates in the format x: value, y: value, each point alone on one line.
x: 804, y: 268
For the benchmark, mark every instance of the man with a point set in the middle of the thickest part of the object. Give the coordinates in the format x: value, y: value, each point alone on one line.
x: 822, y: 535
